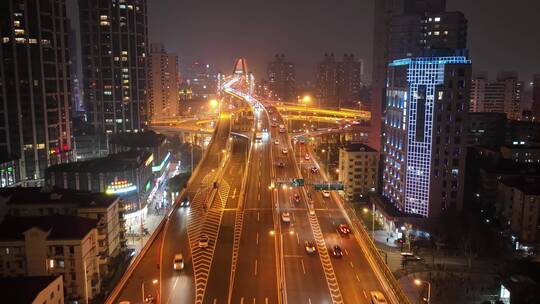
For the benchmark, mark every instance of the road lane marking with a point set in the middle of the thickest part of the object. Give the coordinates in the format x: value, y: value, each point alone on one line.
x: 297, y: 239
x: 253, y: 300
x: 258, y: 216
x: 255, y: 272
x: 259, y: 196
x: 266, y: 300
x: 257, y: 240
x: 357, y: 278
x: 215, y: 301
x: 352, y: 265
x: 303, y: 267
x: 241, y: 300
x: 309, y: 300
x: 365, y: 294
x: 346, y: 251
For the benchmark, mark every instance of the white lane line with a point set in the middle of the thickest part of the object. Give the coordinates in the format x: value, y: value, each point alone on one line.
x: 309, y: 300
x: 255, y: 272
x: 259, y: 196
x: 303, y: 267
x: 258, y: 216
x: 352, y: 265
x: 266, y: 300
x: 346, y: 251
x: 365, y: 294
x: 215, y: 301
x: 297, y: 239
x: 257, y: 240
x: 253, y: 300
x: 357, y: 278
x: 241, y: 300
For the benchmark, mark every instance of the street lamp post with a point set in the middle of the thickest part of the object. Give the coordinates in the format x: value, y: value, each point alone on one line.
x: 419, y: 282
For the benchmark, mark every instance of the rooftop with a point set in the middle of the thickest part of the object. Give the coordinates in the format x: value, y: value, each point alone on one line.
x: 527, y: 185
x: 40, y: 196
x: 11, y: 288
x: 357, y: 147
x: 111, y: 163
x: 60, y: 227
x: 138, y: 140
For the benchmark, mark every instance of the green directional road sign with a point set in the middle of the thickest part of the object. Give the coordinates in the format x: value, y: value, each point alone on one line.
x: 298, y: 182
x: 328, y: 186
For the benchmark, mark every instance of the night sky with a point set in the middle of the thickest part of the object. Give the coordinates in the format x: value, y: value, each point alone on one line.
x: 503, y: 35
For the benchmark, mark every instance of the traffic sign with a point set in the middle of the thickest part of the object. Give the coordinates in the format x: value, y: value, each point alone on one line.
x: 328, y: 186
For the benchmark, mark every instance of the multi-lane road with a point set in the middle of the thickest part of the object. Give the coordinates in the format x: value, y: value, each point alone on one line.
x: 254, y: 255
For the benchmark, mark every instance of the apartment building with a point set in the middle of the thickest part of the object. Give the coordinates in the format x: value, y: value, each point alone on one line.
x: 108, y: 210
x: 358, y: 170
x: 37, y: 290
x: 55, y: 246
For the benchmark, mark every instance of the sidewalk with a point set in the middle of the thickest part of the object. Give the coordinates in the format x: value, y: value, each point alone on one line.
x: 154, y: 216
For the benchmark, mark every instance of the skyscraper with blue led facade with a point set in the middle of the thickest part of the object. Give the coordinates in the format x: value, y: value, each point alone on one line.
x: 424, y: 152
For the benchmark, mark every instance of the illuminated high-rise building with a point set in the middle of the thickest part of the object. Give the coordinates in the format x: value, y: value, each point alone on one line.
x: 424, y: 153
x: 163, y: 94
x: 282, y: 78
x: 408, y: 28
x: 502, y: 95
x: 35, y: 124
x: 114, y: 47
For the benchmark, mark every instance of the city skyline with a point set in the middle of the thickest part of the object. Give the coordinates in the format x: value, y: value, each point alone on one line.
x: 348, y: 30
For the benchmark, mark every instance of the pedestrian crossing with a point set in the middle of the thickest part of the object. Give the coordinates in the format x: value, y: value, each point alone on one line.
x: 205, y: 221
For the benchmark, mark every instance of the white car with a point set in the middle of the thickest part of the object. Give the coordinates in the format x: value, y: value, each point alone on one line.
x: 178, y: 262
x: 306, y: 157
x: 204, y: 241
x: 285, y: 151
x: 286, y: 217
x: 377, y: 297
x: 276, y: 141
x: 326, y: 193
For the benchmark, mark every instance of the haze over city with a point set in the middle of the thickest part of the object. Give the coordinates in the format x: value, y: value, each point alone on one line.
x: 269, y: 152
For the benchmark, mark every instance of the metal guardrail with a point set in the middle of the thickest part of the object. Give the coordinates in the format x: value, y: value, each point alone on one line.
x: 377, y: 258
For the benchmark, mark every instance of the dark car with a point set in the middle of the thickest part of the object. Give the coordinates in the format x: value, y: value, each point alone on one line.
x: 336, y: 251
x: 296, y: 198
x: 281, y: 164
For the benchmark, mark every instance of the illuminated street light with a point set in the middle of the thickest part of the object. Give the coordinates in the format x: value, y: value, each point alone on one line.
x: 214, y: 103
x: 155, y: 281
x: 306, y: 99
x: 365, y: 210
x: 419, y: 282
x: 272, y: 232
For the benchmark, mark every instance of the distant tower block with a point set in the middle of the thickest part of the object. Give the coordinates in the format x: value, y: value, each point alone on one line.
x: 240, y: 67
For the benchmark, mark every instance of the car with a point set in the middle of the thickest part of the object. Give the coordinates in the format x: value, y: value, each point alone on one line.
x: 286, y: 217
x: 336, y: 251
x: 296, y: 198
x: 326, y: 193
x: 185, y: 202
x: 276, y: 141
x: 410, y: 257
x: 377, y: 297
x: 344, y: 229
x: 204, y: 241
x: 274, y: 118
x: 307, y: 157
x: 285, y: 151
x: 178, y: 262
x: 311, y: 211
x: 149, y: 299
x: 281, y: 164
x: 314, y: 170
x: 310, y: 247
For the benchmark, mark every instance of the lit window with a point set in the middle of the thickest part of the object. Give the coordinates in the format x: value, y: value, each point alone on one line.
x: 104, y: 23
x: 445, y: 33
x: 51, y: 264
x: 16, y: 23
x: 5, y: 39
x: 436, y: 33
x: 103, y: 17
x: 19, y: 32
x: 437, y: 19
